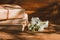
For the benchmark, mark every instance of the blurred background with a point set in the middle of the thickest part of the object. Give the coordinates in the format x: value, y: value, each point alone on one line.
x: 44, y: 9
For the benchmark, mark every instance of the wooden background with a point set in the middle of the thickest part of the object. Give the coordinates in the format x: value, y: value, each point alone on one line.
x: 44, y: 9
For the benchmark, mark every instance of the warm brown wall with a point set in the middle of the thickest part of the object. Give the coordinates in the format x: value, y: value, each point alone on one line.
x: 29, y: 4
x: 44, y: 9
